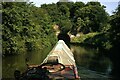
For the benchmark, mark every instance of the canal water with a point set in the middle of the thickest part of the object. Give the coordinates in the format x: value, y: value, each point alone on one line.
x: 90, y: 62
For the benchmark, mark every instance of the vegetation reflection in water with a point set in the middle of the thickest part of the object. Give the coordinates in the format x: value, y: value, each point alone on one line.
x: 91, y: 63
x: 87, y: 59
x: 10, y: 64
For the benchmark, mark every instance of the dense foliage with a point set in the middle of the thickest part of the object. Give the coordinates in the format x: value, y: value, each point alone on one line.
x: 82, y: 18
x: 109, y: 37
x: 115, y: 27
x: 25, y: 28
x: 77, y: 17
x: 114, y: 33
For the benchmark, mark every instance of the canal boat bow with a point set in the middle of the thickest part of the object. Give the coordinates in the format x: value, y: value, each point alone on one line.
x: 59, y: 64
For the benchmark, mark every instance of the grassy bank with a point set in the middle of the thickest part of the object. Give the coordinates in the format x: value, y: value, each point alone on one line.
x: 99, y: 40
x: 82, y: 37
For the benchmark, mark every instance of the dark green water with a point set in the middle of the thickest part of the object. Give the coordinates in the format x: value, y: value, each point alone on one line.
x: 89, y: 61
x: 11, y: 63
x: 91, y: 58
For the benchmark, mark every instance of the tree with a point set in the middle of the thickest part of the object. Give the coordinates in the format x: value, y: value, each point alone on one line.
x: 115, y: 30
x: 64, y: 10
x: 76, y: 6
x: 114, y: 34
x: 96, y: 15
x: 25, y: 27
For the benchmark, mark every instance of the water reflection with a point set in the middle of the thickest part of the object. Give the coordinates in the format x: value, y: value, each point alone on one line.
x: 11, y: 63
x: 91, y: 59
x: 87, y: 59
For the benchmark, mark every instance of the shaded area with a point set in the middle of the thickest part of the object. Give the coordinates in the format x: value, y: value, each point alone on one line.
x: 65, y: 37
x: 109, y: 43
x: 103, y: 61
x: 86, y: 74
x: 115, y: 58
x: 91, y: 63
x: 83, y: 56
x: 10, y: 64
